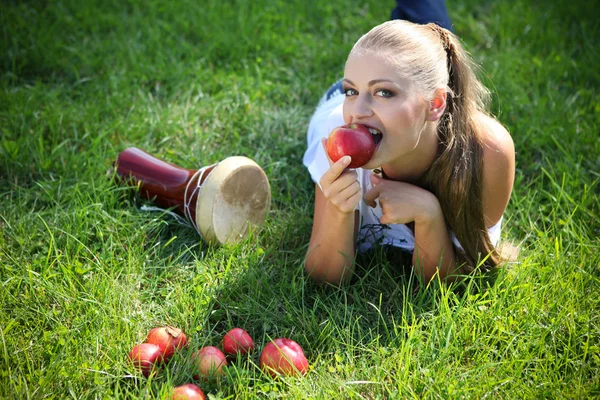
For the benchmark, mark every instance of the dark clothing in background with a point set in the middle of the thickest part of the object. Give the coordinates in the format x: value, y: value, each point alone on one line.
x: 423, y: 12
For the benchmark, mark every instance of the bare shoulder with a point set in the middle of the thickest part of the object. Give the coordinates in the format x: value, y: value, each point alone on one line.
x: 495, y: 136
x: 498, y: 167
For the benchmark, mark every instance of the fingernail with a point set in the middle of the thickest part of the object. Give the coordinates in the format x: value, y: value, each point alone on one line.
x: 346, y: 160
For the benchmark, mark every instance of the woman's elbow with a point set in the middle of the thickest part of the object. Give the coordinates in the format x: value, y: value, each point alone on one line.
x: 327, y: 275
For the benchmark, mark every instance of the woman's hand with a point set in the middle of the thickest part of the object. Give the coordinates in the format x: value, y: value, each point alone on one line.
x: 402, y: 202
x: 340, y: 186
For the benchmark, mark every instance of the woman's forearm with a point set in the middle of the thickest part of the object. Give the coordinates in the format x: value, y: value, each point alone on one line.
x: 330, y: 256
x: 433, y: 247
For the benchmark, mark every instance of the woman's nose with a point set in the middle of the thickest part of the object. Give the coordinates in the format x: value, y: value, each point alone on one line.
x: 361, y: 108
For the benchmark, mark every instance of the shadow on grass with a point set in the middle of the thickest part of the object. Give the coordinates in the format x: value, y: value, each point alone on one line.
x: 272, y: 300
x: 260, y: 285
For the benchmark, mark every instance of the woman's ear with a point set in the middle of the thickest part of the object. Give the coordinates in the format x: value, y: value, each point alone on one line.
x: 437, y: 106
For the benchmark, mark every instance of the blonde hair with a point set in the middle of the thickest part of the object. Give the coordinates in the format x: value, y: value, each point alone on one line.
x: 433, y: 58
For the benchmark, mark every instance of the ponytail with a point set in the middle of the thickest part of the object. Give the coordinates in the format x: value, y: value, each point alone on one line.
x: 456, y: 175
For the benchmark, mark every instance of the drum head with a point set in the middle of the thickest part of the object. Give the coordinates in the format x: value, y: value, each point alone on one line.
x: 234, y: 196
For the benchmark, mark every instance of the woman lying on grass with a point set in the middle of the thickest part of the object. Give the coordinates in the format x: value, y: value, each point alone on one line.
x: 444, y: 168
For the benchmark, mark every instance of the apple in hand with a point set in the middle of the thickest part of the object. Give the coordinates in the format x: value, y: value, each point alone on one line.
x: 209, y: 362
x: 144, y: 356
x: 354, y: 140
x: 189, y: 391
x: 168, y: 338
x: 283, y: 356
x: 237, y: 341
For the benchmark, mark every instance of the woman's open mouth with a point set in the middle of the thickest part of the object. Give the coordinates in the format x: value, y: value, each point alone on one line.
x: 377, y: 136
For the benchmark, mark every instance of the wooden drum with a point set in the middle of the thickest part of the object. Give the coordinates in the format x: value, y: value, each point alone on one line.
x: 222, y: 201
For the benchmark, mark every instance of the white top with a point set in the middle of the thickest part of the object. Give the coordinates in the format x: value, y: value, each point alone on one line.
x: 327, y: 116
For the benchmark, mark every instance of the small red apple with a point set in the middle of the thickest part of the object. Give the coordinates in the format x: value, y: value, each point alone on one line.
x: 189, y: 391
x: 237, y: 341
x: 354, y: 140
x: 209, y: 362
x: 168, y: 338
x: 145, y: 356
x: 283, y: 356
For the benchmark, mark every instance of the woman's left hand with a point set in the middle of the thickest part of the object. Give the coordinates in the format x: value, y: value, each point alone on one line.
x: 402, y: 202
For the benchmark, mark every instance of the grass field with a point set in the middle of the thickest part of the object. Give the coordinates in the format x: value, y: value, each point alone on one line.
x: 85, y: 274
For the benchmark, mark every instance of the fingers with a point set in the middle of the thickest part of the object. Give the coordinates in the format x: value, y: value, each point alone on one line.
x: 348, y: 179
x: 371, y: 195
x: 344, y: 191
x: 352, y: 202
x: 378, y: 192
x: 335, y: 170
x: 374, y: 192
x: 376, y: 180
x: 347, y: 199
x: 384, y: 220
x: 347, y: 187
x: 340, y: 185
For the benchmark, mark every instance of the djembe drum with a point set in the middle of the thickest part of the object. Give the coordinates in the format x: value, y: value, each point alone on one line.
x: 221, y: 201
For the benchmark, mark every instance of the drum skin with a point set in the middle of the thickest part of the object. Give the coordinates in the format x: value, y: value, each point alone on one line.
x: 235, y: 196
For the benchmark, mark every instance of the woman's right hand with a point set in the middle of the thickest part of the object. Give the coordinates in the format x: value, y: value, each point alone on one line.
x: 340, y: 185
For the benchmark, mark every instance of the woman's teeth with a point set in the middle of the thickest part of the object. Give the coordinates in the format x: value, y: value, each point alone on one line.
x: 377, y: 136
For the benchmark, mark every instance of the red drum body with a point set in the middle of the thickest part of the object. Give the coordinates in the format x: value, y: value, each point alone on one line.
x: 222, y: 201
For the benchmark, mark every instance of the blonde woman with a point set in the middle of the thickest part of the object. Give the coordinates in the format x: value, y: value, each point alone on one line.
x: 443, y: 170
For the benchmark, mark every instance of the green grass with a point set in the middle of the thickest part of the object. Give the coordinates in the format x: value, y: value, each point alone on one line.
x: 85, y: 274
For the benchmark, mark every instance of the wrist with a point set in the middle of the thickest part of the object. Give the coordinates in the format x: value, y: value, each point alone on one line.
x: 431, y: 211
x: 338, y: 214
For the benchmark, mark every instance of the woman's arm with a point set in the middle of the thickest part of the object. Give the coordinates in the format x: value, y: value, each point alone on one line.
x: 402, y: 203
x: 498, y: 168
x: 330, y: 256
x: 433, y: 247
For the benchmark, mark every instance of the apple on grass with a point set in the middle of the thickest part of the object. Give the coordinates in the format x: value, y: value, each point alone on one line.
x: 189, y: 391
x: 209, y: 362
x: 283, y: 356
x: 354, y: 140
x: 145, y: 356
x: 237, y: 341
x: 168, y: 338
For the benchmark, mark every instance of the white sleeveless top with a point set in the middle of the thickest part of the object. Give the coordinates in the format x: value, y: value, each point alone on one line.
x: 327, y: 116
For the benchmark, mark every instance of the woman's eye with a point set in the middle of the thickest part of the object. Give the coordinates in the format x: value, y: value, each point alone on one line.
x: 384, y: 93
x: 350, y: 92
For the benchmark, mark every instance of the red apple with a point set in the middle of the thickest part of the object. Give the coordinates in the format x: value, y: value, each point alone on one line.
x: 283, y: 356
x: 209, y: 362
x: 189, y: 391
x: 145, y: 356
x: 168, y: 338
x: 352, y: 140
x: 237, y: 341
